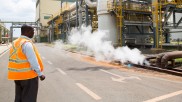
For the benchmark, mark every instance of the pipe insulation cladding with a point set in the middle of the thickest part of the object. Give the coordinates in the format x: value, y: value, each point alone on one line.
x: 91, y: 4
x: 72, y: 6
x: 106, y: 21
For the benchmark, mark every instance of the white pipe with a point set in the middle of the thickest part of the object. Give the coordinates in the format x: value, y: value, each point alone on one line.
x: 91, y: 4
x: 72, y: 6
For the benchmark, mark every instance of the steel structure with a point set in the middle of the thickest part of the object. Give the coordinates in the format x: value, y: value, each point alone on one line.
x: 73, y: 15
x: 133, y: 20
x: 18, y: 25
x: 163, y: 10
x: 139, y: 22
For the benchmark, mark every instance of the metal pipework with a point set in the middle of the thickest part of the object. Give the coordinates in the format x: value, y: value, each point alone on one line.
x: 72, y: 7
x: 91, y: 4
x: 162, y: 59
x: 170, y: 56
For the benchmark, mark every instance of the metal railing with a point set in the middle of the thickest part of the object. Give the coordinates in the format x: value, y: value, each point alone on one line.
x: 178, y: 3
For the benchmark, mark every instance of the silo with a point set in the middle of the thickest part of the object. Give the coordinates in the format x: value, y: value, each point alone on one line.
x: 106, y: 21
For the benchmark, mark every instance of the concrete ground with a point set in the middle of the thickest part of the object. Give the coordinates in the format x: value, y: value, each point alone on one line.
x: 4, y: 47
x: 71, y: 78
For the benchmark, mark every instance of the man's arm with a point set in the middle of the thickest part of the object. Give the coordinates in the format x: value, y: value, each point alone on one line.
x: 31, y: 56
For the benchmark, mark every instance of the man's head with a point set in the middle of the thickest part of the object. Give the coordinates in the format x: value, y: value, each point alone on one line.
x: 27, y: 31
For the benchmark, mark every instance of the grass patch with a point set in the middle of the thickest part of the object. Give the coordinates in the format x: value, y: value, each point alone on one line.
x: 178, y: 60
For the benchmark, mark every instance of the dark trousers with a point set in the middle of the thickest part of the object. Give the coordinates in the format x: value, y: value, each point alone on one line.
x: 26, y: 90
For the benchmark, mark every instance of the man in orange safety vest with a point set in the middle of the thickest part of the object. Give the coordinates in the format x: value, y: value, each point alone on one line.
x: 25, y: 66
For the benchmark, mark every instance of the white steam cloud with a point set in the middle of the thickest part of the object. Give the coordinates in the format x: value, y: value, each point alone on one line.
x: 102, y: 49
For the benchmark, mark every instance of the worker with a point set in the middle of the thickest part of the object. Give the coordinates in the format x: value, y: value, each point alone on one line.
x: 25, y: 66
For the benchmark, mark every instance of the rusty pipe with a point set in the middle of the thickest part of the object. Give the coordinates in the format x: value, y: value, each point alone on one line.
x: 170, y: 56
x: 158, y: 59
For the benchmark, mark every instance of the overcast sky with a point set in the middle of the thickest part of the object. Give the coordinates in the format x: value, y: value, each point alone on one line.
x: 17, y: 10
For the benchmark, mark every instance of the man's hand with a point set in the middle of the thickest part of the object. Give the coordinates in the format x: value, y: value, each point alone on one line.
x: 42, y: 77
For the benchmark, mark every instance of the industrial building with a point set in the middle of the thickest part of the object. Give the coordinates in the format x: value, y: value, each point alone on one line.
x: 45, y: 10
x: 91, y: 51
x: 129, y: 22
x: 4, y: 33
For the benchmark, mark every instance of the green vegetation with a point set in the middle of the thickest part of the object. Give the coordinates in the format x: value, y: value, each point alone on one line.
x: 175, y: 43
x: 178, y: 60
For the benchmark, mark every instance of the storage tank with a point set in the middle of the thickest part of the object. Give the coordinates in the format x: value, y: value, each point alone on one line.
x: 106, y: 21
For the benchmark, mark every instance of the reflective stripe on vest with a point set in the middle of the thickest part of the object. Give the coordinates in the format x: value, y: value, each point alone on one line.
x: 15, y: 50
x: 18, y: 61
x: 19, y: 70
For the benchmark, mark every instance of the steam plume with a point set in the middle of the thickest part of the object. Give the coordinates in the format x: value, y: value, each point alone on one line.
x: 103, y: 49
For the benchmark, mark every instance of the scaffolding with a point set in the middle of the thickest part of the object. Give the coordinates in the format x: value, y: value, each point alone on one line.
x: 178, y: 3
x: 136, y: 20
x: 58, y: 21
x: 94, y: 19
x: 150, y: 19
x: 131, y: 14
x: 116, y: 7
x: 163, y: 11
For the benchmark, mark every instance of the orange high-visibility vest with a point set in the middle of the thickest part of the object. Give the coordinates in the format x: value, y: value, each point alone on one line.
x: 19, y: 68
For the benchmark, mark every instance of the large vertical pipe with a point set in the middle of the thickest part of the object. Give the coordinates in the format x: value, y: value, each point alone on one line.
x: 80, y: 14
x: 106, y: 21
x: 11, y: 34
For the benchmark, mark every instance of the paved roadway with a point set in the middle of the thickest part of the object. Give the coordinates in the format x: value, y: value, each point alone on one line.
x: 69, y: 79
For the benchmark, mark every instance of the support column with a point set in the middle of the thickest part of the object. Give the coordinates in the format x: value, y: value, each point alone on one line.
x: 38, y: 33
x: 174, y: 19
x: 0, y: 34
x: 52, y: 30
x: 77, y: 13
x: 155, y: 23
x: 80, y: 15
x: 167, y: 38
x: 11, y: 34
x: 87, y: 17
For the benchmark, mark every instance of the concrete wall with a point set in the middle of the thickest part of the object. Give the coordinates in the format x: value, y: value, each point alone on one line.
x: 47, y: 8
x: 37, y: 13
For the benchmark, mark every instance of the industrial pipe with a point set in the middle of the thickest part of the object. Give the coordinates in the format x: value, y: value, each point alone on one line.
x: 91, y: 4
x: 158, y: 59
x: 72, y: 6
x: 170, y: 56
x: 163, y: 58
